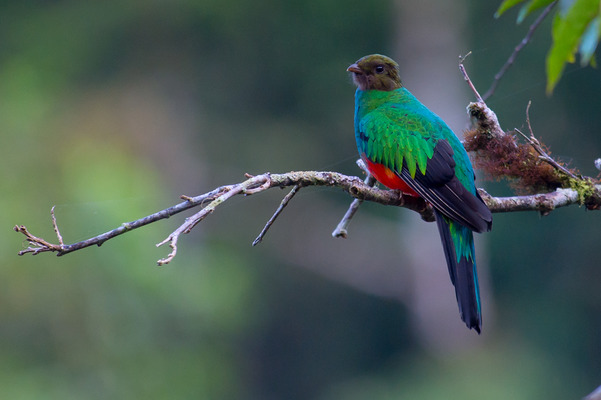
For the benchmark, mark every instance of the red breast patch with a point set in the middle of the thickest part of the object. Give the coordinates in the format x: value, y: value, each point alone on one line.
x: 388, y: 178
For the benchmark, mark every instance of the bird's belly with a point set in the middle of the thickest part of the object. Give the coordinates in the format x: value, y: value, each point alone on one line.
x: 388, y: 178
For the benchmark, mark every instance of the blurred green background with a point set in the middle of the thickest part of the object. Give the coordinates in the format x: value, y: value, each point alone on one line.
x: 111, y: 110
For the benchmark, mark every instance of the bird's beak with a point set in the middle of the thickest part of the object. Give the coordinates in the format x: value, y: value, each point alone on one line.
x: 354, y: 68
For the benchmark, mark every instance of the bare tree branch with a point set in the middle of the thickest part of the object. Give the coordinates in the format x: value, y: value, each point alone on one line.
x: 354, y: 186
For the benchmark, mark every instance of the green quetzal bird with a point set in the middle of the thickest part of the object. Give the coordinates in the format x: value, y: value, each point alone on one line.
x: 407, y: 147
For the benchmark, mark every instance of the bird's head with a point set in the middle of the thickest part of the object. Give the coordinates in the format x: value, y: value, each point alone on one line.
x: 375, y: 72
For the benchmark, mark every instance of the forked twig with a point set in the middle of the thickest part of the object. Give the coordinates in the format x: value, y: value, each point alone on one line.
x: 250, y: 186
x: 36, y: 244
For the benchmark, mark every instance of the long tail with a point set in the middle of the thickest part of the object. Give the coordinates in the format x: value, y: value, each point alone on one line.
x: 458, y: 245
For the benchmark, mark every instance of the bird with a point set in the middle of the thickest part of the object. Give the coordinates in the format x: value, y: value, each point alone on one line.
x: 407, y: 147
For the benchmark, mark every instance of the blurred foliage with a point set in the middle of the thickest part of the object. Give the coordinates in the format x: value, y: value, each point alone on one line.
x: 576, y: 28
x: 110, y: 110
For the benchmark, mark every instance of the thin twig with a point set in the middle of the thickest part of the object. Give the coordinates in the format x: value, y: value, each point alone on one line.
x: 467, y: 78
x: 341, y: 230
x: 55, y: 226
x: 534, y: 142
x: 361, y: 164
x: 528, y: 119
x: 544, y: 156
x: 277, y: 212
x: 517, y: 49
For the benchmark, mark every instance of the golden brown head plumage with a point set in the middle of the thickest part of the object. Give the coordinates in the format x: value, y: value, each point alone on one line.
x: 375, y: 72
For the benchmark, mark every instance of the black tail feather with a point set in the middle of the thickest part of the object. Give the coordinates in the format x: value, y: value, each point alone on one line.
x: 463, y: 275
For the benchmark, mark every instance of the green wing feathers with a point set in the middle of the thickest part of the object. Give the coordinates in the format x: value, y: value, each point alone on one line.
x: 393, y: 136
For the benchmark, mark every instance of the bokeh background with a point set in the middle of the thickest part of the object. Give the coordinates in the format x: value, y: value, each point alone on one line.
x: 110, y: 110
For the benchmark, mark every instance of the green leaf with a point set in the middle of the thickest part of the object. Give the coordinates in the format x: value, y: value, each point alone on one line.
x: 506, y: 5
x: 532, y: 6
x: 589, y: 42
x: 567, y: 31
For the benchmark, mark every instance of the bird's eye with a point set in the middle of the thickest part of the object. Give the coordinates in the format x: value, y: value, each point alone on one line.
x: 379, y: 69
